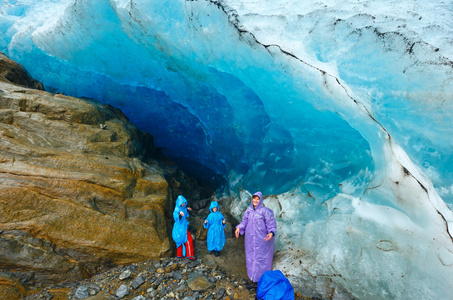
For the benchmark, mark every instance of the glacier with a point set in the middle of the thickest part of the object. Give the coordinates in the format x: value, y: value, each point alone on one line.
x: 340, y: 111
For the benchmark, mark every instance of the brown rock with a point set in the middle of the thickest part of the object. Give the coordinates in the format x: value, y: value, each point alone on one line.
x: 75, y: 196
x: 59, y: 294
x: 14, y: 73
x: 202, y: 233
x: 11, y: 289
x: 199, y: 284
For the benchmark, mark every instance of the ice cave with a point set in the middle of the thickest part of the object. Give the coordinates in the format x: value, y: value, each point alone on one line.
x: 340, y: 112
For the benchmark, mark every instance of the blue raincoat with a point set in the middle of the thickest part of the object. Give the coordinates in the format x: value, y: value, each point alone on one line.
x: 216, y: 232
x: 273, y: 285
x: 179, y: 232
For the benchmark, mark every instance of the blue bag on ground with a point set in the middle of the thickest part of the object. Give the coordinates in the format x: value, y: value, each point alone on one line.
x: 273, y: 285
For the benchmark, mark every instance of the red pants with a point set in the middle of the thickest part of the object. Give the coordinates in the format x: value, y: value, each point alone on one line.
x: 189, y: 248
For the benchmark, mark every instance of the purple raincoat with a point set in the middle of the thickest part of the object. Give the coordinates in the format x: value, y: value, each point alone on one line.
x: 256, y: 224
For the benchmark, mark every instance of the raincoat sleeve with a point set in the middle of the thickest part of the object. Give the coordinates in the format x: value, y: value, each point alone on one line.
x: 176, y: 214
x: 271, y: 224
x: 207, y: 224
x: 244, y: 222
x: 221, y: 220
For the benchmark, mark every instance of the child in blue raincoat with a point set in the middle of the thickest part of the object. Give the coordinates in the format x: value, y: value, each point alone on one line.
x: 216, y: 225
x: 180, y: 233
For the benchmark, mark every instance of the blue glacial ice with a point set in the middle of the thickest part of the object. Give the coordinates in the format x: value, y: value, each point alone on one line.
x: 340, y: 111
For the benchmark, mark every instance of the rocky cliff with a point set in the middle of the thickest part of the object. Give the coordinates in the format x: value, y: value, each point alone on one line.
x: 80, y: 187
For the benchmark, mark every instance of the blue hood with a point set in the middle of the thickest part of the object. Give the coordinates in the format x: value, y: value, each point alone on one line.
x: 180, y: 200
x: 214, y: 204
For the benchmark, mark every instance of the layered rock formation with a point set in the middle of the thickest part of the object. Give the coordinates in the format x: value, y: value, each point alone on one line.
x: 80, y: 189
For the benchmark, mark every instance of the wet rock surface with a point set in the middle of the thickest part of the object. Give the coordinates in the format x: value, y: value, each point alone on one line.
x: 167, y: 278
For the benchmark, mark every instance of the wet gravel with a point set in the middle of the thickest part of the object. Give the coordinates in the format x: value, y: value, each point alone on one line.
x: 167, y: 278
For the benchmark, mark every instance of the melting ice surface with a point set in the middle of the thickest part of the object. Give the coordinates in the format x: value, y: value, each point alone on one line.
x: 340, y: 110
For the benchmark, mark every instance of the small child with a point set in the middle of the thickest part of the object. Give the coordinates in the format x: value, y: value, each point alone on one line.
x: 180, y: 233
x: 215, y: 222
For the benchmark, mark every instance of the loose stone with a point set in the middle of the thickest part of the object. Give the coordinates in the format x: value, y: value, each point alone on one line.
x: 82, y: 292
x: 138, y: 281
x: 94, y: 289
x: 153, y: 293
x: 220, y: 293
x: 171, y: 294
x: 180, y: 287
x: 177, y: 276
x: 122, y: 291
x: 199, y: 283
x: 126, y: 274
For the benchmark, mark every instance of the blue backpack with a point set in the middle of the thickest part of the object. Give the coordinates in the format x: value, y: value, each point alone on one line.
x: 273, y: 285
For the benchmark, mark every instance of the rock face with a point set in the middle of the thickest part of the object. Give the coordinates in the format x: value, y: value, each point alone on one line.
x: 78, y: 189
x: 14, y: 73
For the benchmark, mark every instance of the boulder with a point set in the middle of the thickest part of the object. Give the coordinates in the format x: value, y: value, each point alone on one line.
x: 15, y: 73
x: 81, y: 187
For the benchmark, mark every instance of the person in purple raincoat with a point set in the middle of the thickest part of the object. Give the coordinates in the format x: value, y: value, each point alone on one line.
x: 259, y: 226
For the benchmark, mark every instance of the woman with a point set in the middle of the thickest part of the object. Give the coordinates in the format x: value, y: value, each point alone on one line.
x: 259, y: 226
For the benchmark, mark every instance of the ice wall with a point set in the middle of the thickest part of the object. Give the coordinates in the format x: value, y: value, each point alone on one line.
x: 340, y: 110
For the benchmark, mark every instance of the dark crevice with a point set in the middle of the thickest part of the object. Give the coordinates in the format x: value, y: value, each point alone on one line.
x: 92, y: 203
x: 411, y: 48
x: 407, y: 173
x: 446, y: 224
